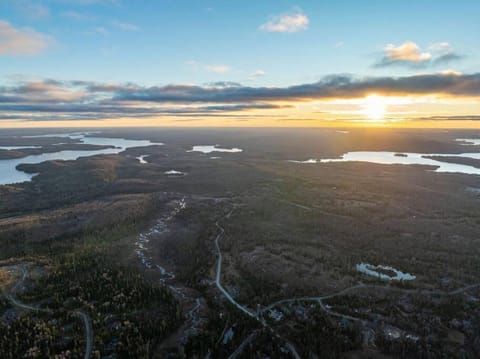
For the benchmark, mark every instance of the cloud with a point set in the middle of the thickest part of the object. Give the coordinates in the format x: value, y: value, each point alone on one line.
x: 406, y: 53
x: 218, y: 69
x: 444, y: 53
x: 15, y: 41
x: 451, y: 118
x: 330, y: 87
x: 447, y: 58
x: 125, y: 110
x: 88, y: 99
x: 194, y: 65
x: 411, y: 55
x: 450, y: 72
x: 99, y: 30
x: 256, y: 74
x: 47, y: 91
x: 440, y: 46
x: 76, y: 16
x: 51, y: 99
x: 125, y: 26
x: 89, y: 2
x: 35, y: 11
x: 286, y: 23
x: 223, y: 84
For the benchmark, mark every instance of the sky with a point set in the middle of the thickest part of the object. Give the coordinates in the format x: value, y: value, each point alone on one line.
x: 239, y: 63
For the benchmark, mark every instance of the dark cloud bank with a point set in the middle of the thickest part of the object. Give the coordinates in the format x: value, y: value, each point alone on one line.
x: 91, y: 100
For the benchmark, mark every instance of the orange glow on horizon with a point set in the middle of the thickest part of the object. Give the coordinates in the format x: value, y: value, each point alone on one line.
x: 373, y: 110
x: 227, y: 122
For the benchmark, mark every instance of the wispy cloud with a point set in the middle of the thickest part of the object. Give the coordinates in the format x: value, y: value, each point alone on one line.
x: 450, y: 72
x: 291, y: 22
x: 76, y: 15
x: 125, y: 26
x: 22, y: 41
x: 35, y: 11
x: 410, y: 54
x: 440, y: 46
x: 222, y: 84
x: 193, y: 64
x: 256, y: 74
x: 443, y: 53
x: 451, y: 118
x: 99, y: 30
x: 218, y: 69
x: 89, y: 2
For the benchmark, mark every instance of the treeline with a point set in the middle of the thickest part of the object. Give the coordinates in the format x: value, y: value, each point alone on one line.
x: 45, y: 233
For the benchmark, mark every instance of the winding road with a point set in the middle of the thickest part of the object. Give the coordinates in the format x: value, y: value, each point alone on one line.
x: 219, y: 272
x: 313, y: 299
x: 240, y: 348
x: 88, y: 333
x: 227, y: 295
x: 12, y: 295
x: 16, y: 303
x: 320, y: 299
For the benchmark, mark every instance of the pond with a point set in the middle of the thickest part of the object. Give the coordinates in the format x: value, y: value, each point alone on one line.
x: 141, y: 159
x: 383, y: 272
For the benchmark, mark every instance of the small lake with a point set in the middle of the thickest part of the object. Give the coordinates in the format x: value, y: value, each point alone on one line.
x: 215, y: 148
x: 9, y: 174
x: 141, y: 159
x: 8, y: 148
x: 174, y: 173
x: 377, y: 271
x: 404, y: 158
x: 469, y: 141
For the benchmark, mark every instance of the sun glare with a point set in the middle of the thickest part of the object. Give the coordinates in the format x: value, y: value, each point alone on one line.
x: 374, y: 107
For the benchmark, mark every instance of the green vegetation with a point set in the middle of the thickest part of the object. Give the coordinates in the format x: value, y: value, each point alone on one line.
x: 34, y: 336
x: 3, y: 303
x: 318, y: 335
x: 130, y: 314
x: 212, y: 339
x: 115, y: 297
x: 296, y: 231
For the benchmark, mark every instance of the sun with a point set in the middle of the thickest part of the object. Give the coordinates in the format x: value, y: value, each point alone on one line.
x: 374, y: 107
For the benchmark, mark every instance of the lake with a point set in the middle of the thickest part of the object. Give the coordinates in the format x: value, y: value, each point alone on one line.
x: 214, y: 148
x: 9, y: 174
x: 404, y: 158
